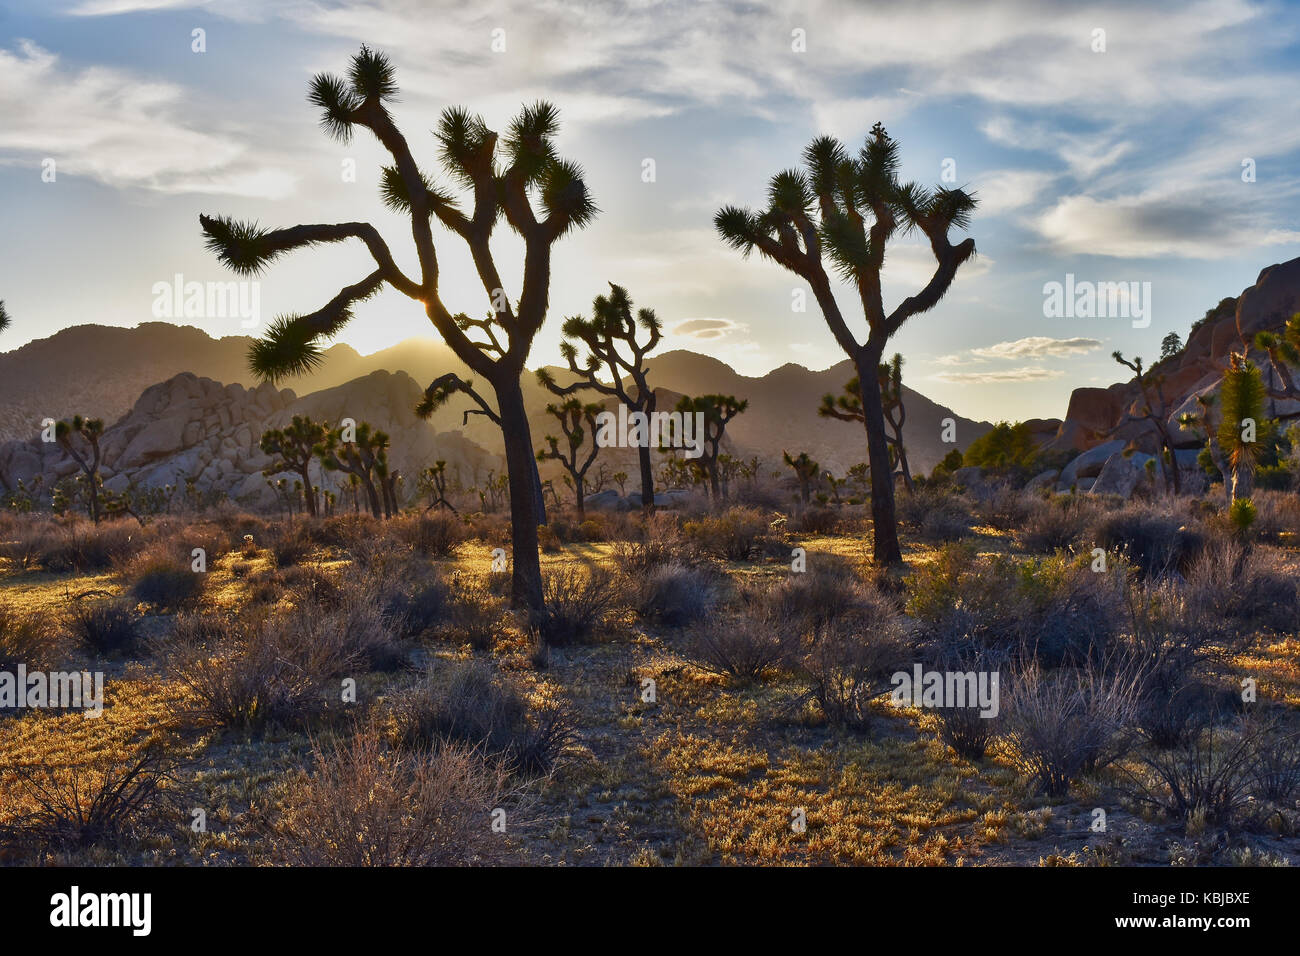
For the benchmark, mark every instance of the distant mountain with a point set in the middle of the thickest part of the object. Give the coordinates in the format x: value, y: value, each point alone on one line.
x: 102, y: 371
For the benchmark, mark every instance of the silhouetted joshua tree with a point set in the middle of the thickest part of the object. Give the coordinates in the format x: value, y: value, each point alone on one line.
x: 292, y: 448
x: 88, y: 457
x: 610, y: 329
x: 4, y: 316
x: 358, y: 458
x: 433, y: 481
x: 847, y: 208
x: 1156, y: 410
x: 573, y: 415
x: 540, y: 196
x: 805, y: 471
x: 718, y: 411
x: 848, y: 407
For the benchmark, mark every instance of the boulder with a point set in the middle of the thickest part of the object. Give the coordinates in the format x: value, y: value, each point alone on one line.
x: 1089, y: 464
x: 1121, y: 474
x: 1044, y: 480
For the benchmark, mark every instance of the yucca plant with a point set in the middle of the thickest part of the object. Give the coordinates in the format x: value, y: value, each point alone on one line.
x: 4, y: 316
x: 846, y: 208
x: 517, y: 178
x: 292, y: 449
x: 1242, y: 397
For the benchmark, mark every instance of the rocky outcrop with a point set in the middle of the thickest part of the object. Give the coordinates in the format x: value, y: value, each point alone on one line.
x: 196, y: 428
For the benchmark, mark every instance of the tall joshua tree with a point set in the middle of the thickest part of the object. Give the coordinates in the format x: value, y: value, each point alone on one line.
x: 87, y: 431
x: 517, y: 177
x: 718, y: 411
x: 847, y: 208
x: 847, y: 407
x: 612, y: 327
x: 292, y: 449
x: 1156, y: 410
x: 577, y: 422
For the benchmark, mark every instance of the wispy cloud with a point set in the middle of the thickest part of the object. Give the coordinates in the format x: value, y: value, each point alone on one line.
x: 707, y: 328
x: 1028, y: 373
x: 1037, y: 346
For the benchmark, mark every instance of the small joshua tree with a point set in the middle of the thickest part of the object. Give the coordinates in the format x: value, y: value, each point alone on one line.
x: 847, y: 406
x: 1283, y: 352
x: 293, y: 448
x: 847, y: 208
x: 433, y: 482
x: 1241, y: 425
x: 577, y: 421
x: 80, y: 439
x: 1155, y: 410
x: 718, y: 411
x: 805, y: 471
x: 358, y: 458
x: 607, y: 335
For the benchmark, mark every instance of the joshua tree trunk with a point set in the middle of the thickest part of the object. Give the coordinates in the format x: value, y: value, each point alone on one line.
x: 884, y: 528
x: 306, y: 484
x: 525, y: 493
x: 647, y: 469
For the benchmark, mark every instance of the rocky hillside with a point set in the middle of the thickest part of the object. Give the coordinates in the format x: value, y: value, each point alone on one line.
x: 1115, y: 447
x: 192, y: 427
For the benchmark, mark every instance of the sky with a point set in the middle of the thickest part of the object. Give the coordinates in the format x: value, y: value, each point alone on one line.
x: 1153, y: 143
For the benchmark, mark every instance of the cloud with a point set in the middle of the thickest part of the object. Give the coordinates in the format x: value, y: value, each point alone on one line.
x: 1184, y: 225
x: 707, y: 328
x: 119, y: 129
x: 1037, y: 346
x: 1028, y: 373
x: 1006, y: 190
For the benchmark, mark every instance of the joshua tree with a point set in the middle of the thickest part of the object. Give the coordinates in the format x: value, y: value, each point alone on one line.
x: 4, y: 316
x: 805, y: 470
x: 718, y: 411
x: 1155, y: 410
x: 1202, y: 422
x: 292, y: 449
x: 518, y: 177
x: 848, y: 407
x: 620, y: 479
x: 849, y: 207
x: 1242, y: 399
x: 88, y: 432
x: 573, y: 415
x: 611, y: 327
x: 433, y: 482
x: 358, y: 458
x: 1283, y: 352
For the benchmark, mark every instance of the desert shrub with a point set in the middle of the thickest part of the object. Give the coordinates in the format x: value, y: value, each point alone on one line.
x: 817, y: 521
x: 289, y: 544
x: 1054, y: 609
x: 103, y: 624
x: 476, y: 611
x: 966, y: 730
x: 935, y: 513
x: 852, y: 659
x: 812, y: 600
x: 744, y: 645
x: 437, y: 534
x: 1007, y: 509
x: 1054, y: 524
x: 733, y: 534
x: 474, y: 706
x: 1244, y: 585
x: 655, y: 540
x: 167, y: 585
x: 1208, y: 779
x: 82, y: 546
x: 674, y: 595
x: 1275, y: 770
x: 62, y: 806
x: 1069, y: 722
x: 423, y: 607
x: 1158, y: 543
x: 26, y: 638
x: 365, y: 805
x: 574, y: 605
x: 1175, y: 645
x: 24, y: 541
